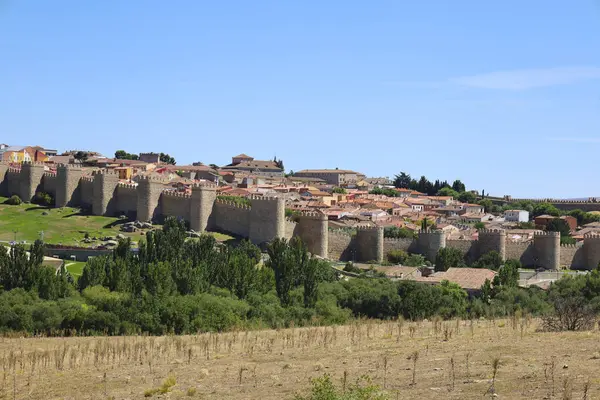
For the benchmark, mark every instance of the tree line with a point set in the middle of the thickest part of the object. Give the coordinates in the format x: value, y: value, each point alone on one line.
x: 177, y: 285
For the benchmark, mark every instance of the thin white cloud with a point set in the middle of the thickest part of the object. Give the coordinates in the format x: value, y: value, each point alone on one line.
x: 576, y: 140
x: 529, y: 78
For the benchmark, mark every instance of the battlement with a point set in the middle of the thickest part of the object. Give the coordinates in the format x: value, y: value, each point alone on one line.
x: 14, y: 170
x: 87, y: 178
x: 264, y: 198
x: 490, y: 232
x: 151, y: 179
x: 49, y: 174
x: 546, y: 234
x: 435, y: 232
x: 174, y: 193
x: 127, y: 185
x: 313, y: 215
x: 569, y: 246
x: 368, y: 228
x: 339, y: 232
x: 68, y: 166
x: 593, y: 236
x: 32, y: 164
x: 204, y: 185
x: 105, y: 172
x: 233, y: 204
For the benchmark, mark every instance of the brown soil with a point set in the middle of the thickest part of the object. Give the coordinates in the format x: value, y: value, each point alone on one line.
x: 278, y: 364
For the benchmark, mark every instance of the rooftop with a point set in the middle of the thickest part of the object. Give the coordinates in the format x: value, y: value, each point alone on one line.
x: 326, y: 171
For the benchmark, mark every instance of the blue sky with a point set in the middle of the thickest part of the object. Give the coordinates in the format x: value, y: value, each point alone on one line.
x: 504, y: 95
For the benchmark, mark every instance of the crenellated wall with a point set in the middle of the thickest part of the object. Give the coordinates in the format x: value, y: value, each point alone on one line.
x: 265, y: 219
x: 231, y: 218
x: 340, y: 246
x: 408, y: 245
x: 175, y: 204
x: 572, y: 255
x: 86, y: 191
x: 49, y: 183
x: 127, y: 199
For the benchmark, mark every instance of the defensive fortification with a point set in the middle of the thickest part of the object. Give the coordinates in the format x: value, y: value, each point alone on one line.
x: 264, y: 219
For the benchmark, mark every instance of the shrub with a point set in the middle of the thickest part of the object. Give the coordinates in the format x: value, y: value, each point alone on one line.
x: 415, y: 260
x: 43, y: 199
x: 397, y: 256
x: 14, y: 200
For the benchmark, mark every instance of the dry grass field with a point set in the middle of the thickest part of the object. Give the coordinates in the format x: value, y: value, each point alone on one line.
x: 455, y: 361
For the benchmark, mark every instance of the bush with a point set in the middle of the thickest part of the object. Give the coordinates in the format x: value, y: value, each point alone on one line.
x: 415, y: 260
x: 14, y: 200
x: 43, y: 199
x: 398, y: 233
x: 397, y: 256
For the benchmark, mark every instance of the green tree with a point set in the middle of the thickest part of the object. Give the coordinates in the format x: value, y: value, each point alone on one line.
x: 559, y: 225
x: 449, y: 257
x: 339, y: 190
x: 397, y: 232
x: 123, y: 155
x: 166, y: 159
x: 279, y: 163
x: 491, y: 260
x: 448, y: 191
x: 310, y: 280
x: 487, y: 205
x: 479, y: 225
x: 508, y: 274
x: 467, y: 197
x: 402, y: 181
x: 545, y: 209
x: 287, y: 261
x: 458, y: 186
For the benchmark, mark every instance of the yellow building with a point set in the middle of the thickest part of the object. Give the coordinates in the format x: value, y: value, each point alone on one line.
x: 19, y: 154
x: 125, y: 173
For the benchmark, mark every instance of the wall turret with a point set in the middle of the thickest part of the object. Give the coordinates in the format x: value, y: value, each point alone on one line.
x: 267, y: 219
x: 203, y: 200
x: 492, y: 240
x: 30, y: 179
x: 149, y: 191
x: 312, y: 228
x: 369, y: 243
x: 4, y: 179
x: 547, y: 249
x: 67, y: 186
x: 104, y: 201
x: 430, y: 242
x: 591, y: 250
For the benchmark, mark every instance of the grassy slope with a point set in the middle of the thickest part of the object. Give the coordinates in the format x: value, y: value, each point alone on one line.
x: 75, y: 268
x: 61, y: 225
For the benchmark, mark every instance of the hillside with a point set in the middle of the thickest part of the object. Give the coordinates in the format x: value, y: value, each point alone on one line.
x: 454, y: 362
x: 66, y: 226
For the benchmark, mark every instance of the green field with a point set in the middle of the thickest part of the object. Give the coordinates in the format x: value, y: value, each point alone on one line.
x: 75, y: 268
x: 66, y: 226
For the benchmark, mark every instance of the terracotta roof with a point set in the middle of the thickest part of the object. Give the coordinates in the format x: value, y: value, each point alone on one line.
x: 258, y: 164
x: 242, y: 156
x: 467, y: 278
x: 189, y: 168
x: 326, y: 171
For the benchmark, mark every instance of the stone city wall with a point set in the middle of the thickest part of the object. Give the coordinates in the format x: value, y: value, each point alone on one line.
x: 231, y: 218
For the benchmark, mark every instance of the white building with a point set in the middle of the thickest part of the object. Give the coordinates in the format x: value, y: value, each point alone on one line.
x: 516, y: 216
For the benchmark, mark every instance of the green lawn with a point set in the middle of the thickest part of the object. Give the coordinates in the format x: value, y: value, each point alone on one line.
x: 60, y: 226
x: 75, y: 268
